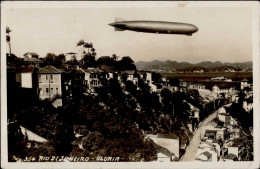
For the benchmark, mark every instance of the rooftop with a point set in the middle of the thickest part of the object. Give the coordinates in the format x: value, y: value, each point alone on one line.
x: 32, y: 60
x: 49, y: 69
x: 167, y: 136
x: 31, y: 53
x: 207, y: 154
x: 230, y: 156
x: 92, y: 70
x: 129, y: 72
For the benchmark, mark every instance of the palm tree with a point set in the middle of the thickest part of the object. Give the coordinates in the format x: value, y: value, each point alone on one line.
x: 8, y: 39
x: 88, y: 45
x: 115, y: 57
x: 81, y: 43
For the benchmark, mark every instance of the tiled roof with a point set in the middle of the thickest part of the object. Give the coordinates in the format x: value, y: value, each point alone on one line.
x: 69, y: 70
x: 49, y: 69
x: 244, y: 80
x: 27, y: 69
x: 166, y: 152
x: 129, y: 72
x: 31, y: 53
x: 221, y: 85
x: 32, y: 60
x: 207, y: 154
x: 92, y: 70
x: 142, y: 72
x: 230, y: 156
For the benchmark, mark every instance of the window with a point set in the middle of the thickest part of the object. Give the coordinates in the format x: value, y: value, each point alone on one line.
x: 46, y: 77
x: 51, y: 78
x: 47, y: 90
x: 57, y: 92
x: 51, y: 90
x: 40, y: 90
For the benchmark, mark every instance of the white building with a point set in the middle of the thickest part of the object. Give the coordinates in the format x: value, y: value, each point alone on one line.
x: 92, y: 77
x: 50, y: 84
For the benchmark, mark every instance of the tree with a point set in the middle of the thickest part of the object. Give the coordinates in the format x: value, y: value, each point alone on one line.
x: 8, y: 39
x: 156, y: 77
x: 88, y: 46
x: 115, y: 57
x: 58, y: 60
x: 49, y: 59
x: 105, y: 60
x: 73, y: 61
x: 126, y: 63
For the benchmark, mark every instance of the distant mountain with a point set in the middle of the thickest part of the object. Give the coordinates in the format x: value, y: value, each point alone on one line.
x: 186, y: 66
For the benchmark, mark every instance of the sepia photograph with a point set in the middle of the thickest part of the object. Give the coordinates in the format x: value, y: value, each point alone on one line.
x: 131, y: 84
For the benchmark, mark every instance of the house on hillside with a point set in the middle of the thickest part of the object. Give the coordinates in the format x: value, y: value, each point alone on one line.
x: 92, y: 78
x: 50, y: 84
x: 207, y: 149
x: 129, y: 74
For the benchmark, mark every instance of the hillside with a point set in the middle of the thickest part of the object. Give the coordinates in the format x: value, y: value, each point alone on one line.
x: 206, y: 66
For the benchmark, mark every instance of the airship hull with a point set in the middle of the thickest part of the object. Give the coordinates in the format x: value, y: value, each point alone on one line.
x: 156, y: 27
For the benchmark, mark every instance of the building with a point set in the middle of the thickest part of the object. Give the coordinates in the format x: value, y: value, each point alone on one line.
x: 224, y: 118
x: 197, y: 86
x: 92, y: 78
x: 70, y: 55
x: 50, y: 84
x: 168, y: 141
x: 207, y: 152
x: 230, y: 157
x: 22, y: 86
x: 244, y: 83
x: 183, y: 83
x: 205, y: 156
x: 221, y: 79
x: 164, y: 155
x: 223, y: 89
x: 129, y: 74
x: 31, y: 55
x: 146, y: 76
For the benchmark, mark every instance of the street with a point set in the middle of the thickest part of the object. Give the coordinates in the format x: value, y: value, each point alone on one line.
x: 191, y: 150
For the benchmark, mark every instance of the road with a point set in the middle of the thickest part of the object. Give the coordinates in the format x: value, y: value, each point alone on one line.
x: 191, y: 150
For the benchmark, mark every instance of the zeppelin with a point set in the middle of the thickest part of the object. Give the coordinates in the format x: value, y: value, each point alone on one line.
x: 159, y: 27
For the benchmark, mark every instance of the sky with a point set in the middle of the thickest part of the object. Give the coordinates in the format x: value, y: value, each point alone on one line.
x: 225, y: 33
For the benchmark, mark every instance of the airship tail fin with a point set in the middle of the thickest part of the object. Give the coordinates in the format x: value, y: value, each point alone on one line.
x: 119, y: 29
x: 119, y: 20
